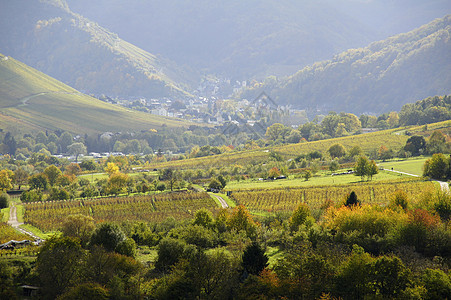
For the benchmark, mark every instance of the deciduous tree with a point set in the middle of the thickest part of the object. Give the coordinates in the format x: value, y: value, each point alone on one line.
x: 337, y: 150
x: 76, y: 149
x: 111, y: 168
x: 416, y: 145
x: 52, y: 173
x: 59, y: 265
x: 6, y: 179
x: 108, y: 236
x: 79, y: 226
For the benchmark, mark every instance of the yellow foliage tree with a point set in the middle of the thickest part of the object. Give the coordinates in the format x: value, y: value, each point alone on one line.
x: 111, y: 168
x: 6, y: 178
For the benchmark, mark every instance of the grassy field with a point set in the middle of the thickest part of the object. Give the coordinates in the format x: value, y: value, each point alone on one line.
x: 36, y: 231
x: 146, y: 255
x: 5, y: 215
x: 323, y: 179
x: 32, y: 100
x: 411, y: 166
x: 98, y: 176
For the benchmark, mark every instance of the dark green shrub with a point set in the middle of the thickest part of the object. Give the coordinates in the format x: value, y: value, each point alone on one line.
x: 4, y: 200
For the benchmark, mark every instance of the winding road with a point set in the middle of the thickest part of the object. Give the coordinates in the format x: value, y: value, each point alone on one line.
x: 443, y: 185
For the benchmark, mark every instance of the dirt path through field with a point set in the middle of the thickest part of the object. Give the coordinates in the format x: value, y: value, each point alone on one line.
x: 223, y: 202
x: 15, y: 224
x: 444, y: 186
x: 24, y: 101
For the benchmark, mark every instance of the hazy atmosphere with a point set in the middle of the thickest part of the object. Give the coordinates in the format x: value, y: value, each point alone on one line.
x: 200, y: 149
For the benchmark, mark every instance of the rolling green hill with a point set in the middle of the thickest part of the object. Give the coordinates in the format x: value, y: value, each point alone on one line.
x: 31, y: 100
x: 67, y: 46
x: 375, y: 79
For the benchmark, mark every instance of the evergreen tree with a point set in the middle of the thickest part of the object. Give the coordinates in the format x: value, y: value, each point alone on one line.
x: 352, y: 199
x: 254, y: 259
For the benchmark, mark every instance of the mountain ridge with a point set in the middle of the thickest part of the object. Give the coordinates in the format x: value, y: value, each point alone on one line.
x: 48, y: 36
x: 378, y: 78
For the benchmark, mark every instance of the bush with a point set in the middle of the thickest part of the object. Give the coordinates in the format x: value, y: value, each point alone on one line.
x: 4, y: 200
x: 108, y: 236
x: 196, y: 235
x: 86, y: 291
x: 170, y: 251
x: 31, y: 196
x: 161, y: 187
x: 299, y: 216
x: 399, y: 199
x: 437, y: 284
x: 127, y: 247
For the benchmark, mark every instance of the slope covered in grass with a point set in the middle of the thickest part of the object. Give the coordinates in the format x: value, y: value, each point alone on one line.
x: 392, y: 139
x: 48, y: 36
x: 31, y: 100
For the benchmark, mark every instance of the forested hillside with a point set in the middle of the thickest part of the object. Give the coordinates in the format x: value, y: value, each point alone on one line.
x: 378, y: 78
x: 237, y: 39
x: 49, y: 37
x: 252, y: 39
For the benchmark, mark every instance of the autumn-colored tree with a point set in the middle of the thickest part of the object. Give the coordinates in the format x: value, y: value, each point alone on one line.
x: 437, y: 167
x: 436, y: 143
x: 203, y: 217
x: 393, y: 119
x: 277, y: 131
x: 384, y: 153
x: 38, y: 182
x: 354, y: 151
x: 372, y: 169
x: 111, y: 168
x: 307, y: 175
x: 361, y: 166
x: 73, y: 169
x: 117, y: 183
x: 241, y: 219
x: 20, y: 177
x: 399, y: 199
x: 274, y: 172
x: 6, y: 178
